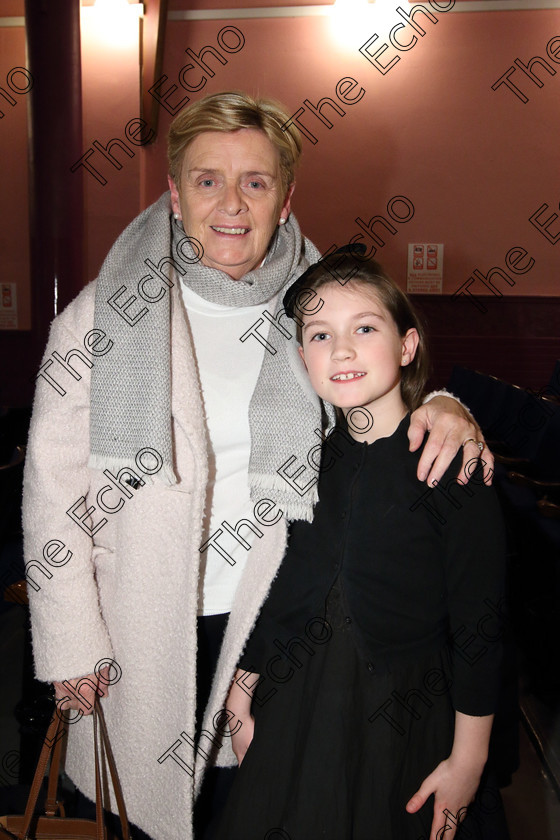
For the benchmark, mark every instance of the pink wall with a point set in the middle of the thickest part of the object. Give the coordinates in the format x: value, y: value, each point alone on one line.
x: 111, y: 98
x: 14, y: 240
x: 476, y: 163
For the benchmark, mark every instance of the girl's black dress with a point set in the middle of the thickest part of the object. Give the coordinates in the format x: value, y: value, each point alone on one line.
x: 383, y: 620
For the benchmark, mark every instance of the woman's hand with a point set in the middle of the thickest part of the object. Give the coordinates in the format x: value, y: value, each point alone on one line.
x: 454, y: 787
x: 449, y: 426
x: 241, y: 740
x: 80, y: 693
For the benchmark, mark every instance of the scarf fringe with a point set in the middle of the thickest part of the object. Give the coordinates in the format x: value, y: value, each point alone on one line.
x: 274, y: 488
x: 130, y: 389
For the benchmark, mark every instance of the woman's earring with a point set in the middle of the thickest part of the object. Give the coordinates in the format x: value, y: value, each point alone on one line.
x: 176, y: 216
x: 282, y: 221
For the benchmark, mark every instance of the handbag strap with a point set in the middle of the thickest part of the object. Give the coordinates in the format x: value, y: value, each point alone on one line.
x: 121, y: 807
x: 100, y: 833
x: 51, y: 738
x: 52, y: 805
x: 53, y: 744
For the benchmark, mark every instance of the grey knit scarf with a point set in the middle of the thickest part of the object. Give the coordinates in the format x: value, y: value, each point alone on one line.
x: 130, y: 388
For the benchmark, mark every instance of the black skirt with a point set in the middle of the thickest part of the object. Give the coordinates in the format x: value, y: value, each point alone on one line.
x: 338, y: 751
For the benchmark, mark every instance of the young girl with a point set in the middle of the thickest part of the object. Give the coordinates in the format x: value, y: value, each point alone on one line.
x: 367, y: 689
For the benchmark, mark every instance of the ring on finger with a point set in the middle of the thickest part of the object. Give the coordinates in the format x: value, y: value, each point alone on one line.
x: 476, y: 442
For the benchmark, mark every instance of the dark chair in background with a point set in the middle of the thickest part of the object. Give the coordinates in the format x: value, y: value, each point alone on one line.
x: 522, y: 428
x: 35, y: 705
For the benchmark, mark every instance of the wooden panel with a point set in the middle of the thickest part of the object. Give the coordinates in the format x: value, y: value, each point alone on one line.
x: 517, y: 339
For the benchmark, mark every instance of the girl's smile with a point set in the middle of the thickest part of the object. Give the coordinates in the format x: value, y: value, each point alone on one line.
x: 347, y: 376
x: 353, y: 354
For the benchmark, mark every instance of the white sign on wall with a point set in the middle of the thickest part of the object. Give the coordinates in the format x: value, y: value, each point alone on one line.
x: 8, y: 307
x: 425, y: 268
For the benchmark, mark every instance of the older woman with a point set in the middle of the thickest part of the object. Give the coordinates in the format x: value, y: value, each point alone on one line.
x: 167, y: 453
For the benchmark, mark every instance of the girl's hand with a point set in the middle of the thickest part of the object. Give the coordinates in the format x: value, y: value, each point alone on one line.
x: 241, y: 740
x: 239, y: 702
x: 454, y: 786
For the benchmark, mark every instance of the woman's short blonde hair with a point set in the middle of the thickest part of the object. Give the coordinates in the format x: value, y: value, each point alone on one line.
x: 231, y: 111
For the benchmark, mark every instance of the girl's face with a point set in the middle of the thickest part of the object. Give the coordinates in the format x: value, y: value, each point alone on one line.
x: 353, y: 352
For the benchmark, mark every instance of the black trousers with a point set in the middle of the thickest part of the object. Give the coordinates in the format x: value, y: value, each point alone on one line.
x: 218, y: 780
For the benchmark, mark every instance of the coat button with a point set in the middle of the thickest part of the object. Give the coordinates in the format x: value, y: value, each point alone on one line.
x: 348, y: 620
x: 371, y: 667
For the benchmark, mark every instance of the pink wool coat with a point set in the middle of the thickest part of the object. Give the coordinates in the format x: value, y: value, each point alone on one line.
x: 127, y: 591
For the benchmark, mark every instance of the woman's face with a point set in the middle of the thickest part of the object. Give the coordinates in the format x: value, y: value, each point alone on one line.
x: 230, y: 197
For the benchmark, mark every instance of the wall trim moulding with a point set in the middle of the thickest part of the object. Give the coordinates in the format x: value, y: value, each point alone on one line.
x: 323, y: 11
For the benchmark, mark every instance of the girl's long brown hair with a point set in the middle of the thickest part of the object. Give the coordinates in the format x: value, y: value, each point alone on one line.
x: 349, y: 269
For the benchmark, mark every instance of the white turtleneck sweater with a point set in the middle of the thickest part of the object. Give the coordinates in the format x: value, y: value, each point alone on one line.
x: 228, y: 370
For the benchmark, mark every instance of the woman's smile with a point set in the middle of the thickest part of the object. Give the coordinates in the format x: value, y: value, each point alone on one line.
x: 230, y: 197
